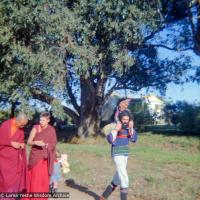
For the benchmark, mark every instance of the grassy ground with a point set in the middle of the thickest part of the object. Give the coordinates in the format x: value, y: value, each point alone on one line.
x: 160, y: 167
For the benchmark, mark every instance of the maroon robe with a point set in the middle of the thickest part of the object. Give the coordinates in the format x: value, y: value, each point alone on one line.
x: 13, y: 163
x: 48, y: 136
x: 41, y: 161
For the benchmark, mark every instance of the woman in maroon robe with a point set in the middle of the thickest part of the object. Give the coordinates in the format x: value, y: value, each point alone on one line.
x: 43, y: 140
x: 13, y: 165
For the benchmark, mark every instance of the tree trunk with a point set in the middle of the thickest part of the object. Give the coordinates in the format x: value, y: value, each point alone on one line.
x: 91, y: 103
x: 197, y: 35
x: 89, y: 124
x: 12, y: 110
x: 195, y: 28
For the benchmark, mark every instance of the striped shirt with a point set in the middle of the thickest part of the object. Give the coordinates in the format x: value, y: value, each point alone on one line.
x: 120, y: 144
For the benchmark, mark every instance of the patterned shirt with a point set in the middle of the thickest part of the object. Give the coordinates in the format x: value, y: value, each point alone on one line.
x: 121, y: 141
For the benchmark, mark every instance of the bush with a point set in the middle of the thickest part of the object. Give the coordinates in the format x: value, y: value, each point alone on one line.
x: 4, y: 115
x: 186, y: 115
x: 141, y: 115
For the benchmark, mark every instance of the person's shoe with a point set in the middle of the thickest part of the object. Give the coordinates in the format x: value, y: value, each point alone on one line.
x: 123, y: 194
x: 110, y: 188
x: 51, y: 188
x: 55, y: 190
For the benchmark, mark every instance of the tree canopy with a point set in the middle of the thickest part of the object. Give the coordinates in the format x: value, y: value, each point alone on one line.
x: 74, y: 54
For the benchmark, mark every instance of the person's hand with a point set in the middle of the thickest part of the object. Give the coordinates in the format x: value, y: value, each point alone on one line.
x: 15, y: 145
x: 131, y: 124
x: 114, y: 135
x: 39, y: 143
x: 118, y: 126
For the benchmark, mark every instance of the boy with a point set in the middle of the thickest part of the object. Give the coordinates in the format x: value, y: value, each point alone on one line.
x: 56, y: 176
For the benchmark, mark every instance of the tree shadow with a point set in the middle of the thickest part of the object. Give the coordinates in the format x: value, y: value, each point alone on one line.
x: 177, y: 133
x: 71, y: 183
x: 170, y: 130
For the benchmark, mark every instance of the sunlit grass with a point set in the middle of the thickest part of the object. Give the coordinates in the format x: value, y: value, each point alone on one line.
x: 160, y: 167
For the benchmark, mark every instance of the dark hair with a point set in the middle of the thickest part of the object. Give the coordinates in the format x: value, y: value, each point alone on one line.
x: 45, y: 114
x: 125, y: 113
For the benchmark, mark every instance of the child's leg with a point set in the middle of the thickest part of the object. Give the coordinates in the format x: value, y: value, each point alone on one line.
x: 51, y: 186
x: 55, y: 185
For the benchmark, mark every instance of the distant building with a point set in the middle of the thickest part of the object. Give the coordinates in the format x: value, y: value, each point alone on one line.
x: 156, y: 107
x: 154, y: 104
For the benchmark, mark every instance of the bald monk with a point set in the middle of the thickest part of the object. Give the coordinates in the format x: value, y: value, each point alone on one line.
x: 13, y: 166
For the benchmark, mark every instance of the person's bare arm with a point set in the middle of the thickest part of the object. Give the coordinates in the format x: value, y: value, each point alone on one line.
x: 31, y: 138
x: 131, y: 126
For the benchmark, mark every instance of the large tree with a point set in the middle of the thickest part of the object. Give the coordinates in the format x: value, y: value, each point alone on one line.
x: 78, y: 52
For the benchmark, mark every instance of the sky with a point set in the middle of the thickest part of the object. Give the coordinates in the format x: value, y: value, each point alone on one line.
x: 189, y: 92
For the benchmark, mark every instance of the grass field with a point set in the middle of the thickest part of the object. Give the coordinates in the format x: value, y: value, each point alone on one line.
x: 160, y: 167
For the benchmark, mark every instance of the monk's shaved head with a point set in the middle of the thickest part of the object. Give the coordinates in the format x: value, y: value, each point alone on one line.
x: 21, y: 116
x: 21, y: 120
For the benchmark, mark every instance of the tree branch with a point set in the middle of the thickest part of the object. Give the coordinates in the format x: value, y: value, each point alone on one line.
x: 38, y: 94
x: 133, y: 47
x: 150, y: 36
x: 128, y: 88
x: 100, y: 90
x: 166, y: 47
x: 72, y: 97
x: 112, y: 89
x: 144, y: 44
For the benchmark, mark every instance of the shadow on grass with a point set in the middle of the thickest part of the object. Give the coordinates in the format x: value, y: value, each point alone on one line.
x: 66, y: 135
x: 71, y: 183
